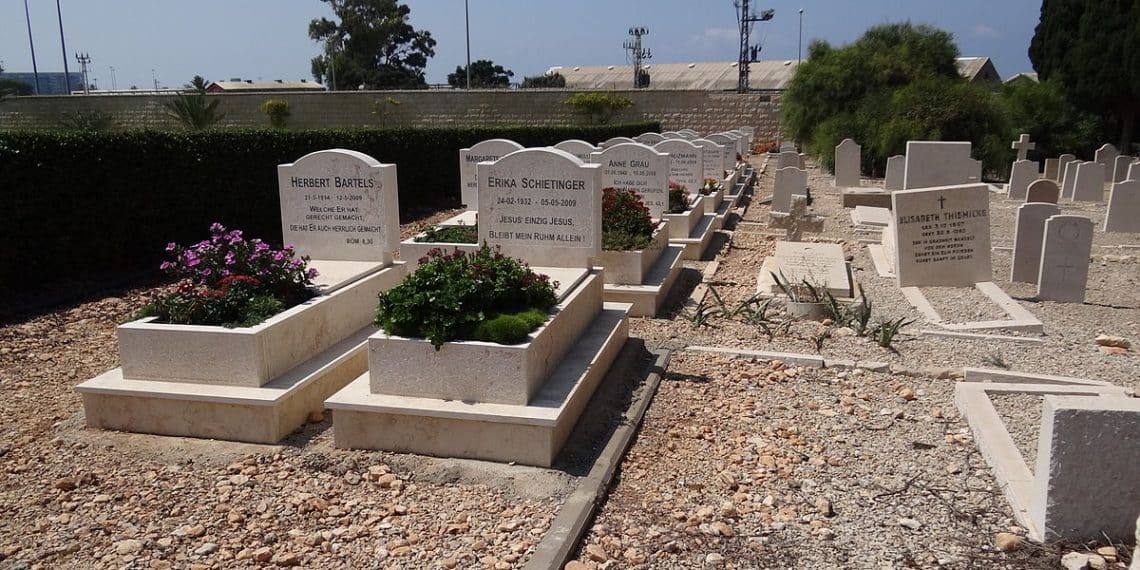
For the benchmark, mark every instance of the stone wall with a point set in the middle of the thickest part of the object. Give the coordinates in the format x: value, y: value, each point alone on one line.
x: 702, y: 111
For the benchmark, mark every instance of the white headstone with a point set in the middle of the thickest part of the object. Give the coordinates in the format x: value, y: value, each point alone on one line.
x: 1069, y: 179
x: 688, y: 134
x: 788, y: 182
x: 1106, y: 156
x: 649, y: 138
x: 872, y: 216
x: 896, y: 172
x: 686, y: 162
x: 1051, y: 165
x: 616, y: 140
x: 942, y: 235
x: 340, y: 205
x: 1121, y: 166
x: 847, y: 160
x: 543, y: 206
x: 823, y: 265
x: 1028, y: 235
x: 485, y: 151
x: 712, y: 158
x: 1023, y: 146
x: 796, y: 221
x: 1063, y: 163
x: 1065, y: 253
x: 728, y: 155
x: 1089, y: 184
x: 1123, y: 207
x: 932, y: 164
x: 637, y: 167
x: 788, y: 160
x: 673, y: 135
x: 1043, y: 190
x: 1021, y: 175
x: 579, y: 148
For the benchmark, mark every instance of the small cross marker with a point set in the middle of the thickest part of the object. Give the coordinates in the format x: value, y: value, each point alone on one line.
x: 1023, y: 146
x: 941, y: 202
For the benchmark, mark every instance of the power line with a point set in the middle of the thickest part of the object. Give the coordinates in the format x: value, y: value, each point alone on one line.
x: 748, y: 53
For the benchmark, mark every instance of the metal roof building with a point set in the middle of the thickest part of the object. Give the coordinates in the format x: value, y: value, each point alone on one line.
x: 251, y: 86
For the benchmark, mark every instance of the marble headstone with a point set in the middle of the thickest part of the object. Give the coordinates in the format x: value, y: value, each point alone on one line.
x: 942, y: 236
x: 728, y: 153
x: 1023, y: 146
x: 1028, y: 235
x: 1106, y: 157
x: 788, y: 182
x: 649, y: 138
x: 1120, y: 167
x: 617, y: 140
x: 712, y: 158
x: 686, y: 162
x: 821, y: 264
x: 637, y: 167
x: 1089, y: 183
x: 1043, y: 190
x: 939, y: 163
x: 1021, y: 175
x: 1051, y: 168
x: 1064, y: 271
x: 788, y: 159
x: 485, y: 151
x: 847, y: 160
x: 896, y: 172
x: 1123, y: 207
x: 578, y: 148
x: 1069, y: 179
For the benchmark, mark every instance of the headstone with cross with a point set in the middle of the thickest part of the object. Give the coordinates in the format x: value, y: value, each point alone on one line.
x: 942, y: 236
x: 1064, y: 270
x: 1023, y: 146
x: 797, y: 221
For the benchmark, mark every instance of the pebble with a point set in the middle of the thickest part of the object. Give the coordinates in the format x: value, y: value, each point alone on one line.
x: 912, y: 524
x: 1114, y: 341
x: 1007, y: 541
x: 129, y: 546
x: 206, y: 549
x: 1082, y: 561
x: 596, y: 553
x: 714, y: 559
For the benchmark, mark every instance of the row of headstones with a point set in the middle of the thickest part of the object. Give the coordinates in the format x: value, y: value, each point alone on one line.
x: 627, y: 164
x: 926, y: 164
x: 1052, y: 250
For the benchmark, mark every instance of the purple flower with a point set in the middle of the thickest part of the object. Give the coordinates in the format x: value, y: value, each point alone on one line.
x: 217, y: 228
x: 165, y: 265
x: 171, y: 246
x: 230, y: 258
x: 312, y: 273
x: 279, y: 256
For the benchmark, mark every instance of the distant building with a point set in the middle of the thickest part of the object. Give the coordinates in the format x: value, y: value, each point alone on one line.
x: 1021, y: 78
x: 978, y: 70
x: 251, y: 86
x: 51, y: 82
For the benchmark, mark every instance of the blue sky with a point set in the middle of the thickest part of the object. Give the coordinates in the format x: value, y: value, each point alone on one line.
x: 268, y: 39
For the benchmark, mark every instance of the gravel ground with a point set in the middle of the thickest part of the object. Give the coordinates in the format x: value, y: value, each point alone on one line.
x: 736, y: 458
x: 1021, y: 414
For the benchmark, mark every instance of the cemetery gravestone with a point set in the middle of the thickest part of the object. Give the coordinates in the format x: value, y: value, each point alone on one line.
x: 634, y: 166
x: 1065, y: 253
x: 822, y: 264
x: 1123, y: 207
x: 340, y: 205
x: 649, y: 138
x: 1062, y: 164
x: 672, y: 135
x: 1023, y: 146
x: 1069, y: 179
x: 797, y: 221
x: 1051, y: 168
x: 580, y: 149
x: 932, y: 164
x: 1134, y: 171
x: 543, y: 206
x: 1089, y: 183
x: 896, y: 172
x: 847, y: 157
x: 788, y: 182
x: 1044, y: 190
x: 788, y: 160
x: 1106, y: 157
x: 486, y: 151
x: 1029, y: 233
x: 712, y: 158
x: 686, y: 162
x: 616, y: 140
x: 1023, y: 173
x: 942, y: 236
x: 728, y: 151
x: 1120, y: 168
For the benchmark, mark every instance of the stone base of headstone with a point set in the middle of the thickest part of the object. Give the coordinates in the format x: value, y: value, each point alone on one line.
x: 873, y: 198
x: 412, y: 251
x: 479, y: 400
x: 254, y: 384
x: 646, y: 297
x: 468, y: 218
x: 700, y: 232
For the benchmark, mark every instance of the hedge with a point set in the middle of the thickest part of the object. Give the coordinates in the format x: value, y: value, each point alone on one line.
x: 81, y: 206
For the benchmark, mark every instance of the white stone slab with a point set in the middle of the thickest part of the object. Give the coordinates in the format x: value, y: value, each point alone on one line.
x: 847, y: 161
x: 728, y: 154
x: 637, y: 167
x: 942, y: 236
x: 579, y: 148
x: 1021, y: 175
x: 1065, y: 259
x: 1089, y: 183
x: 617, y: 140
x: 649, y: 138
x: 712, y: 158
x: 1063, y: 163
x: 872, y: 216
x: 788, y: 159
x: 1023, y: 146
x: 822, y: 264
x: 932, y: 164
x: 1028, y: 235
x: 896, y: 173
x: 1106, y: 157
x: 1069, y: 178
x: 1043, y: 190
x: 542, y: 206
x: 686, y: 162
x: 788, y: 181
x: 485, y: 151
x: 1051, y: 167
x: 1123, y: 207
x: 1120, y: 167
x: 340, y: 205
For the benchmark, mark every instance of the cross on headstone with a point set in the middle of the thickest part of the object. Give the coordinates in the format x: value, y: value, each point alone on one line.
x: 1023, y: 146
x: 941, y: 202
x: 797, y: 221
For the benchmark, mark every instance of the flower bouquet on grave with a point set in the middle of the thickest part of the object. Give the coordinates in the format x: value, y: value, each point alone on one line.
x: 482, y: 295
x: 230, y: 281
x: 626, y: 225
x: 711, y: 186
x: 679, y: 199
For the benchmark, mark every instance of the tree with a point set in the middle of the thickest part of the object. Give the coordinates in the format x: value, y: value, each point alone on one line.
x: 194, y: 112
x: 1052, y: 121
x: 372, y: 46
x: 197, y: 84
x: 551, y: 81
x: 484, y: 75
x: 597, y: 106
x: 1092, y: 48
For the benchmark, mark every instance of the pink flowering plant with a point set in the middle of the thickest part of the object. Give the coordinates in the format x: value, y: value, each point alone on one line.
x: 231, y: 281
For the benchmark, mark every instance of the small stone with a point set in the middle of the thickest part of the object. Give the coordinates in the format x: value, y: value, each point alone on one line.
x: 843, y: 331
x: 386, y: 480
x: 263, y: 554
x: 1075, y: 561
x: 287, y: 559
x: 714, y: 559
x: 827, y: 322
x: 129, y: 546
x: 1113, y: 350
x: 575, y: 565
x: 596, y: 553
x: 66, y: 484
x: 1108, y: 552
x: 451, y: 563
x: 206, y: 549
x: 102, y: 498
x: 196, y: 531
x: 954, y: 467
x: 824, y: 507
x: 907, y: 394
x: 912, y: 524
x: 1115, y: 341
x: 316, y: 416
x: 1007, y: 541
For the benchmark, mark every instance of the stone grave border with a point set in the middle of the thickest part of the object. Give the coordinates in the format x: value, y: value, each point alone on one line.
x: 972, y: 397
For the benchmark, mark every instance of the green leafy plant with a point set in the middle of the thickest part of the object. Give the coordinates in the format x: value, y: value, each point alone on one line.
x: 802, y: 292
x: 996, y: 360
x: 449, y: 234
x: 704, y: 312
x: 230, y: 281
x: 195, y: 112
x: 465, y: 296
x: 383, y: 109
x: 626, y: 224
x: 277, y: 110
x: 885, y: 332
x: 678, y: 198
x: 598, y: 106
x: 91, y: 120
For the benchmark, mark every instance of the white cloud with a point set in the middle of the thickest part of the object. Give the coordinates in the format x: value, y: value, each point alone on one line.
x: 984, y: 31
x: 715, y: 36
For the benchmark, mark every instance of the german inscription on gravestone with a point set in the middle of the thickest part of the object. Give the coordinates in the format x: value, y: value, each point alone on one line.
x: 634, y: 166
x: 942, y: 236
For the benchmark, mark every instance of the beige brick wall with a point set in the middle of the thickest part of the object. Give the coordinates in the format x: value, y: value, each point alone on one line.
x: 702, y: 111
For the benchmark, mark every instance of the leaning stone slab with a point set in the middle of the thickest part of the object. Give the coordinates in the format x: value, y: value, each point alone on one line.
x: 1028, y: 235
x: 1069, y: 179
x: 1120, y: 167
x: 942, y: 236
x: 1051, y: 168
x: 896, y: 172
x: 1021, y: 175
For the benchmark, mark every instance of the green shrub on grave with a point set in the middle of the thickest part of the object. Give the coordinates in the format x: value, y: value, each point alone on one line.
x: 92, y: 207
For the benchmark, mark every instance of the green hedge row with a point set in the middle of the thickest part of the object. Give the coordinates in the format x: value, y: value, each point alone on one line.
x: 81, y: 206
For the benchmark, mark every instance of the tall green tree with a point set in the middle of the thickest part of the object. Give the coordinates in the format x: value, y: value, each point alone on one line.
x: 485, y: 74
x: 552, y: 81
x: 1092, y: 48
x: 197, y: 84
x: 372, y: 45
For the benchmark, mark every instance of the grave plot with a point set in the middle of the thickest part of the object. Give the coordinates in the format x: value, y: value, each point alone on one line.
x: 693, y: 228
x: 258, y: 383
x: 485, y: 151
x: 482, y: 400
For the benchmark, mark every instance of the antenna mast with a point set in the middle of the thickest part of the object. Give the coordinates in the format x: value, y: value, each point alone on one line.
x: 639, y: 55
x: 748, y: 53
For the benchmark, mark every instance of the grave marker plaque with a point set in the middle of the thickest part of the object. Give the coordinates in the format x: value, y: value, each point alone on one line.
x: 1065, y: 255
x: 634, y: 166
x: 686, y: 162
x: 485, y: 151
x: 942, y: 236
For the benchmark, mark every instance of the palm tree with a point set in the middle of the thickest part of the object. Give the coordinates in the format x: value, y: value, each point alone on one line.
x: 194, y: 111
x: 197, y: 84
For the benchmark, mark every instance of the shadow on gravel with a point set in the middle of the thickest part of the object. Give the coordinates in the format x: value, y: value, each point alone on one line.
x: 674, y: 304
x: 690, y: 378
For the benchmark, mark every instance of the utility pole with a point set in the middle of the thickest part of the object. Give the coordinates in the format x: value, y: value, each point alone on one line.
x: 748, y: 53
x: 32, y: 44
x: 638, y: 55
x: 800, y: 45
x: 467, y: 22
x: 155, y: 79
x: 83, y: 60
x: 114, y: 84
x: 63, y: 47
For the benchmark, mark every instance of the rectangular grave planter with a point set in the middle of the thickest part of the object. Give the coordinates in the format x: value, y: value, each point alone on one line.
x: 681, y: 225
x: 484, y: 372
x: 711, y: 202
x: 630, y: 267
x: 412, y: 251
x: 250, y: 356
